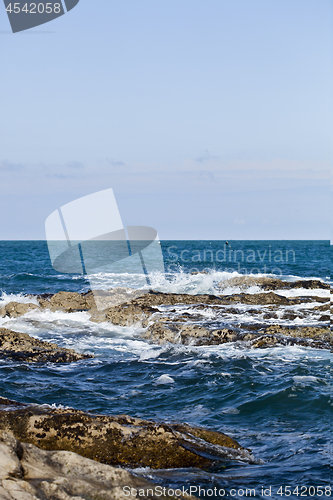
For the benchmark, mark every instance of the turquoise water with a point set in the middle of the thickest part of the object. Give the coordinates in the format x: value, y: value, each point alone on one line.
x: 274, y: 401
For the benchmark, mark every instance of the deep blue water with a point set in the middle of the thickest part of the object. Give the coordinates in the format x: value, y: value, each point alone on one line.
x: 274, y: 401
x: 25, y: 266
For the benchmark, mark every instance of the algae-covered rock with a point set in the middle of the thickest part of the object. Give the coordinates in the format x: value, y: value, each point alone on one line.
x: 22, y: 347
x: 119, y: 440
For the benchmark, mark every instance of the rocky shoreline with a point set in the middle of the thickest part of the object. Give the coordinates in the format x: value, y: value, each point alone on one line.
x: 62, y: 453
x: 118, y: 440
x: 186, y: 319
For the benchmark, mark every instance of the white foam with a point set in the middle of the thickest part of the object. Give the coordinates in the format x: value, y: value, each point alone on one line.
x: 165, y: 379
x: 231, y: 411
x: 151, y: 352
x: 304, y: 292
x: 19, y: 297
x: 46, y: 315
x: 177, y: 282
x: 305, y: 379
x: 224, y: 313
x: 182, y: 282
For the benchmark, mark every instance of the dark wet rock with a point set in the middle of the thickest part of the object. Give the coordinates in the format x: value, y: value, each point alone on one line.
x: 317, y: 337
x: 261, y: 299
x: 22, y: 347
x: 265, y: 341
x: 325, y: 307
x: 313, y: 284
x: 29, y: 473
x: 304, y: 332
x: 176, y: 331
x: 119, y: 440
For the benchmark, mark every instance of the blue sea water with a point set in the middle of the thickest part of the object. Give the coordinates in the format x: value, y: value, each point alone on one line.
x: 275, y: 401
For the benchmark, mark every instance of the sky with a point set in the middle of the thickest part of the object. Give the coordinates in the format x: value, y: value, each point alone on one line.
x: 210, y: 119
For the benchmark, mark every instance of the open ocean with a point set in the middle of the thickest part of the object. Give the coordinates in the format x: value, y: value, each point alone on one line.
x: 275, y: 401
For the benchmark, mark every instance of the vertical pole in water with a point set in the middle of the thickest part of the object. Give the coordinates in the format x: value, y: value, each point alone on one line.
x: 145, y: 270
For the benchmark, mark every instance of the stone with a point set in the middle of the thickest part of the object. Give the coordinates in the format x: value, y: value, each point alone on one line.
x: 15, y: 309
x: 68, y: 302
x: 30, y: 473
x: 190, y: 327
x: 22, y: 347
x: 118, y: 440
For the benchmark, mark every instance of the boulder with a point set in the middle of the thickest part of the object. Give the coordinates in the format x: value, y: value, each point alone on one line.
x: 29, y: 473
x: 15, y: 309
x: 176, y: 332
x: 119, y: 440
x: 68, y: 302
x: 22, y: 347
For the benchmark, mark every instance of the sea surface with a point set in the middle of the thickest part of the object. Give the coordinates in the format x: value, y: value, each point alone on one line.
x: 275, y: 401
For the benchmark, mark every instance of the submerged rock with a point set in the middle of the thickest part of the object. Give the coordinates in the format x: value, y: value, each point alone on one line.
x: 119, y: 440
x: 29, y: 473
x: 22, y: 347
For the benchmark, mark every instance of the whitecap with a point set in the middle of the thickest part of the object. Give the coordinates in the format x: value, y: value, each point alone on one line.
x: 165, y: 379
x: 231, y: 411
x: 303, y: 379
x: 17, y: 297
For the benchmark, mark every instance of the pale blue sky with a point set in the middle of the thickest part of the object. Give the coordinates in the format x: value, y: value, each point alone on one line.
x: 210, y: 119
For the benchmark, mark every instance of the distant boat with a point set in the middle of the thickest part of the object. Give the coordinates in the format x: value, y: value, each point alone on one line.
x: 227, y: 243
